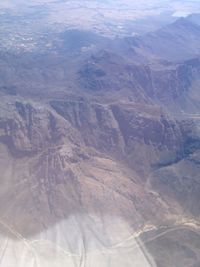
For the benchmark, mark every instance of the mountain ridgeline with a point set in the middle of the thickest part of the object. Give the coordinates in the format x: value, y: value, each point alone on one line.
x: 94, y: 127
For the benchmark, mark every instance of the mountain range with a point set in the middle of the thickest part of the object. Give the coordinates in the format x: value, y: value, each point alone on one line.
x: 100, y: 149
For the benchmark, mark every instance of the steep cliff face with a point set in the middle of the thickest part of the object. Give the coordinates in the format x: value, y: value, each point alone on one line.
x: 180, y: 179
x: 74, y: 155
x: 120, y: 129
x: 174, y: 86
x: 99, y: 150
x: 26, y: 128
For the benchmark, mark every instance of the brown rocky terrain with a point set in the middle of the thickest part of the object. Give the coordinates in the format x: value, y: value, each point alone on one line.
x: 99, y: 158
